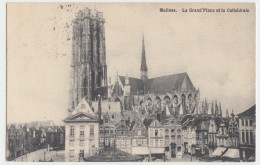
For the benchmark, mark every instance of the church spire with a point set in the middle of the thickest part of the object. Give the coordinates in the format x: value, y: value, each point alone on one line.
x: 143, y: 69
x: 143, y: 62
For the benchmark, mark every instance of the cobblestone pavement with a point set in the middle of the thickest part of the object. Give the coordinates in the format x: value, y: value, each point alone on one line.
x: 59, y: 156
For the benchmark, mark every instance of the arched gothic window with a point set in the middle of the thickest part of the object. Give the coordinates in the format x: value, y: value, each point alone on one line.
x: 190, y: 97
x: 175, y: 98
x: 183, y: 99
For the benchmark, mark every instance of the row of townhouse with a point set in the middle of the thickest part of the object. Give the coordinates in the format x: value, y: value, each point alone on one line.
x: 203, y: 134
x: 28, y: 137
x: 235, y: 136
x: 227, y: 137
x: 168, y: 137
x: 158, y: 139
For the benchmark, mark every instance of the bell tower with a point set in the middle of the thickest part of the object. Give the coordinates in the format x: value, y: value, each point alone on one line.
x: 88, y: 64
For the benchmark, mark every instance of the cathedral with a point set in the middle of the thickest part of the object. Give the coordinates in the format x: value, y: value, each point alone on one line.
x: 88, y: 64
x: 175, y: 92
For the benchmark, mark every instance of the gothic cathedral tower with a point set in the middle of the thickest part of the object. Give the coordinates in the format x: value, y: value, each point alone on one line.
x: 143, y: 69
x: 88, y: 64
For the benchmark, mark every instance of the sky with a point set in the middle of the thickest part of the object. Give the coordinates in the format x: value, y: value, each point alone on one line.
x: 217, y: 50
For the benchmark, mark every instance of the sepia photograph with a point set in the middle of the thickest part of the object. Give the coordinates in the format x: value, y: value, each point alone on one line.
x: 130, y: 82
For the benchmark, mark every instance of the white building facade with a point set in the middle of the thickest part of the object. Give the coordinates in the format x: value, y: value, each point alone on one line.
x: 81, y: 133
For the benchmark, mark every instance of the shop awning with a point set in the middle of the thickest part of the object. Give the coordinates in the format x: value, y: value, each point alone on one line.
x: 218, y: 152
x: 157, y: 150
x: 232, y: 153
x: 140, y: 151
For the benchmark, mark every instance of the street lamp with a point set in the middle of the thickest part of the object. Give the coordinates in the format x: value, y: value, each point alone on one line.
x: 44, y: 155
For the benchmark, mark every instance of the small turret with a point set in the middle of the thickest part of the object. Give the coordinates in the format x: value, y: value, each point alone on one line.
x: 232, y: 116
x: 181, y: 110
x: 109, y: 89
x: 127, y: 86
x: 213, y: 108
x: 99, y: 109
x: 220, y: 110
x: 167, y: 111
x: 227, y: 114
x: 216, y: 108
x: 210, y: 110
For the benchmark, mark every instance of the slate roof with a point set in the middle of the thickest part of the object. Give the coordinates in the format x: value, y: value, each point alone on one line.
x: 113, y: 155
x: 249, y: 112
x: 168, y: 83
x: 136, y: 84
x: 161, y: 84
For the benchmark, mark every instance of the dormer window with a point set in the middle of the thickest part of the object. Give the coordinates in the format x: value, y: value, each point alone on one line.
x: 156, y: 124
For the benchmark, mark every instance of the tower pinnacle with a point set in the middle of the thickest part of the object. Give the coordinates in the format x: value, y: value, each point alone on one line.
x: 143, y: 62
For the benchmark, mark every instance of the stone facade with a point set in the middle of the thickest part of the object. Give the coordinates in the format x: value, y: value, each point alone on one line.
x: 81, y: 133
x: 247, y: 128
x: 156, y: 138
x: 123, y: 138
x: 88, y: 64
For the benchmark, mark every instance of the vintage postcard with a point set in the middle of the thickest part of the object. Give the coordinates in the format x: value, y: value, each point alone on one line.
x: 131, y: 82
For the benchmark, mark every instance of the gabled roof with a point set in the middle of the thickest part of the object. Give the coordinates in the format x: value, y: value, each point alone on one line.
x: 84, y: 107
x: 122, y: 125
x: 164, y: 84
x: 138, y: 124
x: 82, y: 113
x: 187, y: 120
x: 160, y: 85
x: 80, y: 117
x: 155, y: 123
x: 249, y: 112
